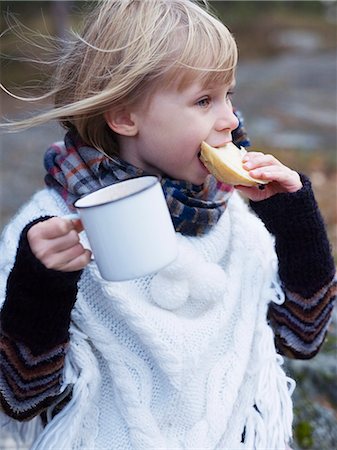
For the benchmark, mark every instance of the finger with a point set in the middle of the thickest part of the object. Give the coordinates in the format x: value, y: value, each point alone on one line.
x: 262, y: 173
x: 268, y: 173
x: 57, y: 261
x: 69, y: 254
x: 250, y: 154
x: 287, y: 179
x: 75, y: 220
x: 63, y: 242
x: 78, y: 225
x: 51, y: 228
x: 45, y: 249
x: 260, y: 160
x: 78, y: 263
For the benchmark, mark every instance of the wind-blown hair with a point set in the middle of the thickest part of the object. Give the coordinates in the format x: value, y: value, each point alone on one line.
x: 127, y: 50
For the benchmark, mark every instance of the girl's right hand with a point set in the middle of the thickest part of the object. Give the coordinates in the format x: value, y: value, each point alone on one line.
x: 56, y: 244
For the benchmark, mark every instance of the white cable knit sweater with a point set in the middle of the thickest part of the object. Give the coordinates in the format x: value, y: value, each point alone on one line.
x: 183, y: 359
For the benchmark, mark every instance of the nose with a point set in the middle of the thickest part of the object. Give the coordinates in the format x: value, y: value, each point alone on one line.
x: 226, y: 120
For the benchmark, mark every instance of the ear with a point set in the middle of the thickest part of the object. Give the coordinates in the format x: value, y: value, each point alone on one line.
x: 121, y: 122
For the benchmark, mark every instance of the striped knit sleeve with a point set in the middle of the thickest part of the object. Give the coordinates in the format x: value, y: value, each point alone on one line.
x: 34, y: 324
x: 29, y: 383
x: 306, y: 269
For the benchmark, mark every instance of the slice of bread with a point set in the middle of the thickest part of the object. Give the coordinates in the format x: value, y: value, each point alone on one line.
x: 225, y: 163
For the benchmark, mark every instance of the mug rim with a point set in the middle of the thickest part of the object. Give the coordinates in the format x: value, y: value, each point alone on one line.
x: 156, y: 179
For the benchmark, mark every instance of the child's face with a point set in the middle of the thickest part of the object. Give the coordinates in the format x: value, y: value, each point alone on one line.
x: 172, y: 126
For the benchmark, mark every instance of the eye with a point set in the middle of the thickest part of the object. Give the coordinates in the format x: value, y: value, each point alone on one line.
x: 204, y: 102
x: 229, y: 95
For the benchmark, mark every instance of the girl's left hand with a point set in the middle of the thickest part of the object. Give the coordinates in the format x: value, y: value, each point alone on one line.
x: 267, y: 167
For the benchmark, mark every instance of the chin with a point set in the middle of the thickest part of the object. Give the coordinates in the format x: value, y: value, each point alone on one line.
x: 198, y: 179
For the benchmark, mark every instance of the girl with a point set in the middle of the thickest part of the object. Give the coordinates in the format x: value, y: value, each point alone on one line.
x: 188, y: 357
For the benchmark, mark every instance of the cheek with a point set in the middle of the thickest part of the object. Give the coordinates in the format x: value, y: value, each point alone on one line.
x: 172, y: 140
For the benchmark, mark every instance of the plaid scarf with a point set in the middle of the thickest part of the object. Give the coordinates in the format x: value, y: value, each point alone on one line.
x: 74, y: 169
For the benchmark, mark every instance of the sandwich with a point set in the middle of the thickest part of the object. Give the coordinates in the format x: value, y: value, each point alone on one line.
x: 225, y: 163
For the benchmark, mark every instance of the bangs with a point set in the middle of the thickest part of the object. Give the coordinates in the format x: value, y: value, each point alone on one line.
x: 197, y: 46
x: 206, y: 51
x: 207, y: 76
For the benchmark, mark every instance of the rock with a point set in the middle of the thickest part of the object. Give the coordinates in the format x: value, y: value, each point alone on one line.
x: 315, y: 397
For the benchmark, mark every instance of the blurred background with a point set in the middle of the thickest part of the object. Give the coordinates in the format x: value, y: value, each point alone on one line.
x: 286, y: 90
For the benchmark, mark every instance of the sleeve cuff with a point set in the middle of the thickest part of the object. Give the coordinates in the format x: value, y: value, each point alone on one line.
x: 38, y: 301
x: 305, y: 260
x: 282, y: 212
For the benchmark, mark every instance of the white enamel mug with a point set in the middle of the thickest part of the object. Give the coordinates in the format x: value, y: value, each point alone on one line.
x: 129, y: 228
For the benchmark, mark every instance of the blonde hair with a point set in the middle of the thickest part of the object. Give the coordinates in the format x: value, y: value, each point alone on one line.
x: 128, y: 49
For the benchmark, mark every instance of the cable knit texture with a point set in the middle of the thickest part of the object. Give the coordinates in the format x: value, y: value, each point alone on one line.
x: 200, y: 372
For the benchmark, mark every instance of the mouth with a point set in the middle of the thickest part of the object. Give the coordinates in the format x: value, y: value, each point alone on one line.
x: 221, y: 145
x: 214, y: 146
x: 202, y: 164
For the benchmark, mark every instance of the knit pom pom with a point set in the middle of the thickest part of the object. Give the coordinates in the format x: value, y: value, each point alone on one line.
x: 185, y: 259
x: 207, y: 283
x: 169, y: 293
